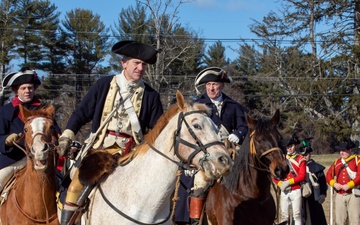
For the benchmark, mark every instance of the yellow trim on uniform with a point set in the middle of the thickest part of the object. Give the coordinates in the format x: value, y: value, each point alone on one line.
x: 291, y: 181
x: 332, y: 182
x: 351, y: 184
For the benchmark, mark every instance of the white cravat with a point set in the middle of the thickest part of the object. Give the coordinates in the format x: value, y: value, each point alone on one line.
x: 218, y: 103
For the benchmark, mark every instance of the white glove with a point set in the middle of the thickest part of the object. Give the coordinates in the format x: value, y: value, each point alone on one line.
x: 189, y: 173
x: 65, y: 141
x: 233, y: 138
x: 9, y: 141
x: 321, y: 199
x: 284, y: 185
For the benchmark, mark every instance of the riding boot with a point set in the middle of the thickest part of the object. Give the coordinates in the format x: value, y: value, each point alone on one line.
x: 66, y: 216
x: 69, y: 208
x: 196, y: 207
x: 83, y: 195
x: 194, y: 221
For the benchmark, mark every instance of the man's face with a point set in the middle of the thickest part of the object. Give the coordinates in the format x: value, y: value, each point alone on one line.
x: 345, y: 153
x: 213, y: 89
x: 25, y: 92
x: 290, y: 148
x: 307, y: 156
x: 134, y: 69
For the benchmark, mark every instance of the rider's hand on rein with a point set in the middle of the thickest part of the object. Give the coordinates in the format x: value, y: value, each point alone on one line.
x: 9, y: 141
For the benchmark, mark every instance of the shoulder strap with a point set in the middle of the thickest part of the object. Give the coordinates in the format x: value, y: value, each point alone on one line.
x: 289, y: 162
x: 294, y: 162
x: 312, y: 176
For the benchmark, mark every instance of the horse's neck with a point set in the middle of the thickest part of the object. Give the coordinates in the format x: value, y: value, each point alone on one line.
x: 36, y: 186
x: 146, y: 183
x: 263, y: 182
x: 254, y: 182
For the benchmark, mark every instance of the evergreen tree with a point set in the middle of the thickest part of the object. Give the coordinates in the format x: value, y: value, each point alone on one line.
x: 153, y: 23
x: 7, y: 12
x: 86, y: 38
x: 216, y: 55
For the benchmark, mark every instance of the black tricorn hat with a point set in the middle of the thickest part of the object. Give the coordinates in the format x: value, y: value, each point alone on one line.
x: 212, y: 74
x: 345, y: 145
x: 290, y: 141
x: 136, y: 50
x: 24, y: 76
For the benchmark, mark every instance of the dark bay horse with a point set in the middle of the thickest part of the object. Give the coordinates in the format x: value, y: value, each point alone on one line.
x: 32, y: 198
x: 243, y: 197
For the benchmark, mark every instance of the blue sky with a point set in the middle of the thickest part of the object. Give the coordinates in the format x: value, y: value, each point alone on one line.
x: 212, y: 19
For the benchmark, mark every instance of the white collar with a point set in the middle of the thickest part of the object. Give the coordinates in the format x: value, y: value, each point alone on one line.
x: 217, y: 100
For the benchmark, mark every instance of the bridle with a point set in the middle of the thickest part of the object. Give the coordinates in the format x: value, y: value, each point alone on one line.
x: 254, y: 152
x: 48, y: 145
x: 30, y: 154
x: 198, y: 147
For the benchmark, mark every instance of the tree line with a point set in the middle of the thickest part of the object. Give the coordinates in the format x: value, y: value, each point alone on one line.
x: 305, y: 60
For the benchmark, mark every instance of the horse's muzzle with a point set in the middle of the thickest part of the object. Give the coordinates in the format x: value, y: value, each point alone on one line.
x: 215, y: 167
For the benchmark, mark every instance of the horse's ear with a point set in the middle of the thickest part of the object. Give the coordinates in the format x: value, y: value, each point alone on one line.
x: 276, y: 117
x: 251, y: 122
x: 25, y: 113
x: 180, y: 100
x: 50, y: 111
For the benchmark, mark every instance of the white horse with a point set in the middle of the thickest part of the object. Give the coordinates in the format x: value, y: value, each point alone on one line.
x: 140, y: 191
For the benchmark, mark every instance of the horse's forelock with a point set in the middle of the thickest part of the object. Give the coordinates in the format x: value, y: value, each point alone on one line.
x: 266, y: 130
x: 45, y: 111
x: 202, y: 107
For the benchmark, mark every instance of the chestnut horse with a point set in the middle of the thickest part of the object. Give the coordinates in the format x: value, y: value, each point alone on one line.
x: 32, y: 198
x: 140, y: 191
x: 243, y: 197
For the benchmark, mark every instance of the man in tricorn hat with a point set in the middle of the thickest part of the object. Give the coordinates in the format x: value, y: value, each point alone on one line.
x: 229, y: 116
x: 24, y: 84
x: 290, y: 186
x: 134, y: 107
x: 344, y: 176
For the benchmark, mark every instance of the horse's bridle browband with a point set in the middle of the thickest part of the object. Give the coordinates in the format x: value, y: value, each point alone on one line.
x: 199, y: 147
x: 253, y: 151
x: 52, y: 137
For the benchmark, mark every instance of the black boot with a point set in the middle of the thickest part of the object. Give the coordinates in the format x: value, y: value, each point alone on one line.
x: 66, y: 216
x: 193, y: 221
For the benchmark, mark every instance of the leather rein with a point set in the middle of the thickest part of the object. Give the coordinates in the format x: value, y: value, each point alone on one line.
x: 254, y: 152
x: 182, y: 165
x: 30, y: 154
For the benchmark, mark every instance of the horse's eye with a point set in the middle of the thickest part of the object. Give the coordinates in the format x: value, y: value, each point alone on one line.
x: 52, y: 127
x: 197, y: 126
x: 25, y: 130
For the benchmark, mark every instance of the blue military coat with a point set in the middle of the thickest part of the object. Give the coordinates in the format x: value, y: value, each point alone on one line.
x: 232, y: 115
x: 91, y: 107
x: 11, y: 123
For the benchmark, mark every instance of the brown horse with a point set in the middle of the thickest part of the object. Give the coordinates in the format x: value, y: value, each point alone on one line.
x: 32, y: 198
x: 243, y: 197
